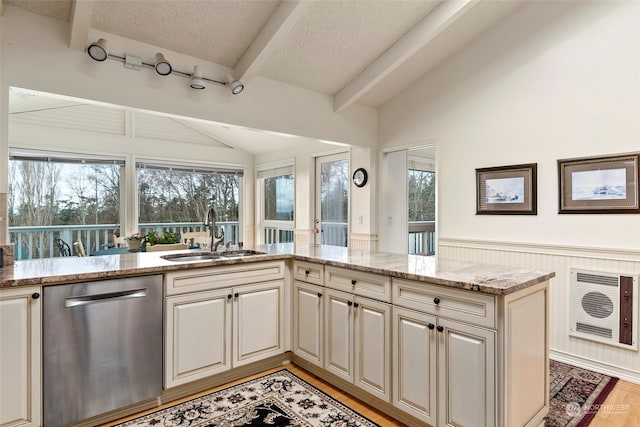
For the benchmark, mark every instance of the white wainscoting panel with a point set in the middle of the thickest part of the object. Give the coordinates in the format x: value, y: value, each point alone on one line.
x: 620, y: 362
x: 363, y: 241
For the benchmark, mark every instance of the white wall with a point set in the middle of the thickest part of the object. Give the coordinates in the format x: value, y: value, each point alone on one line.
x: 554, y: 80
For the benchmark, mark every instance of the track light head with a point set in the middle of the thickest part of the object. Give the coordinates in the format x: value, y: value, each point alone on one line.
x: 196, y: 78
x: 163, y: 67
x: 235, y: 86
x: 98, y: 50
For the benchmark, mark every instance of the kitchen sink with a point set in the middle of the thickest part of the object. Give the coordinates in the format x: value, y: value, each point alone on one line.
x: 211, y: 256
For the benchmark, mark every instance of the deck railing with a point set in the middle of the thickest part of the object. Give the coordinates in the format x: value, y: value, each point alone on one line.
x: 40, y: 242
x: 422, y: 237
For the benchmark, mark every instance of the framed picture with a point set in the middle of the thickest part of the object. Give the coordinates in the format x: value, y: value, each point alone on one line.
x: 607, y: 184
x: 507, y: 190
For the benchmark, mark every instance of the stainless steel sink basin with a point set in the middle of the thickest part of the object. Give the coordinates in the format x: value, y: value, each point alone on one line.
x: 208, y: 256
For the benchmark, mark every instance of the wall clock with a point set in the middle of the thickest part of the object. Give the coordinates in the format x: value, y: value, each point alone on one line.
x: 360, y: 177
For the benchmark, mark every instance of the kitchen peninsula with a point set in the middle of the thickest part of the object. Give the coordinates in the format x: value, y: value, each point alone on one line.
x: 428, y: 340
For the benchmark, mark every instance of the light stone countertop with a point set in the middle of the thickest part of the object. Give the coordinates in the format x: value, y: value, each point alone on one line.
x: 485, y: 278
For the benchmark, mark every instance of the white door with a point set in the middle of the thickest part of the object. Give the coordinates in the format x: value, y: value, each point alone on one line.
x: 258, y: 314
x: 332, y: 200
x: 466, y: 361
x: 20, y: 336
x: 198, y: 336
x: 338, y: 332
x: 307, y: 325
x: 373, y: 347
x: 414, y: 369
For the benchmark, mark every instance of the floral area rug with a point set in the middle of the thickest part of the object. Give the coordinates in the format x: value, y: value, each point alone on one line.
x: 575, y: 395
x: 278, y: 399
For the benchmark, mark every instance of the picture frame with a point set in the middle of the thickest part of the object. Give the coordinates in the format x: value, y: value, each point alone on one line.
x: 599, y: 185
x: 507, y: 190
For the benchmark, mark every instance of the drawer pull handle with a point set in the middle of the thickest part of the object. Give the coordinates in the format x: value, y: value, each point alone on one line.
x: 319, y: 295
x: 306, y: 272
x: 436, y: 300
x: 35, y: 295
x: 440, y: 328
x: 353, y: 282
x: 349, y: 303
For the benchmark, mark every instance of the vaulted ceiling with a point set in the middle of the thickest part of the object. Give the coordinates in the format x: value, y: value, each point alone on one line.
x: 364, y: 51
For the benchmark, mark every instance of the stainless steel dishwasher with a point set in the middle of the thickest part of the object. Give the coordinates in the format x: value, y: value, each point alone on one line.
x: 102, y: 347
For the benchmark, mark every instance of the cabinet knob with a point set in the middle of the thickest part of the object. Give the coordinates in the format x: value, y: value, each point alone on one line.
x: 353, y: 282
x: 356, y: 304
x: 440, y: 328
x: 306, y: 272
x: 35, y: 295
x: 319, y: 295
x: 349, y: 303
x: 229, y: 296
x: 431, y: 326
x: 236, y: 295
x: 436, y: 300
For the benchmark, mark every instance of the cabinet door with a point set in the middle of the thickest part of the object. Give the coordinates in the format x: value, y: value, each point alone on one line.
x: 338, y: 332
x: 466, y: 361
x: 20, y: 354
x: 373, y: 347
x: 307, y: 323
x: 258, y: 321
x: 414, y: 369
x: 198, y: 336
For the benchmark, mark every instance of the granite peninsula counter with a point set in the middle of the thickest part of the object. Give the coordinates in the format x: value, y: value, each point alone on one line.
x: 477, y: 334
x: 484, y: 278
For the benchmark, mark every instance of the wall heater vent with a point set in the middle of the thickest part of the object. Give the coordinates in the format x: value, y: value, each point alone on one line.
x: 604, y: 307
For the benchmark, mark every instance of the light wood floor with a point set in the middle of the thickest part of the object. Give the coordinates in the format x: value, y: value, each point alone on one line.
x: 620, y: 409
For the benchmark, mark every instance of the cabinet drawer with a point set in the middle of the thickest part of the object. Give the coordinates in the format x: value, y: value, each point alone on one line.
x: 202, y: 279
x: 466, y: 306
x: 308, y: 272
x: 369, y: 285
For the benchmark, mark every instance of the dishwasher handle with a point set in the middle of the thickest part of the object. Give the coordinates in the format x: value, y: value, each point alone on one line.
x: 106, y: 297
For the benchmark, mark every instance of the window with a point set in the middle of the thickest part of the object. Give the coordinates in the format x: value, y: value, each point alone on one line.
x: 176, y: 197
x: 422, y: 206
x: 58, y: 199
x: 277, y: 186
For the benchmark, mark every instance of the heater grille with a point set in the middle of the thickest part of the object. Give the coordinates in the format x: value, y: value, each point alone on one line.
x: 603, y: 307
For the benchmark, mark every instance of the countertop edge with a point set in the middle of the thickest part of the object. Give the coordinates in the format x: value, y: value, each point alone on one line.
x: 161, y: 268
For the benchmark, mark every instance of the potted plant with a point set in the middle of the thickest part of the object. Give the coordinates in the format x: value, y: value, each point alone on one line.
x: 134, y: 241
x: 166, y: 241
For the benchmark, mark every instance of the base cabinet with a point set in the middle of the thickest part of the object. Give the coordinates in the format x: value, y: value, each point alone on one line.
x: 213, y: 331
x: 20, y: 353
x: 308, y: 323
x: 357, y: 340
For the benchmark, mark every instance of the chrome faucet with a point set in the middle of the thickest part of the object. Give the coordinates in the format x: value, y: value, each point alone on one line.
x: 210, y: 219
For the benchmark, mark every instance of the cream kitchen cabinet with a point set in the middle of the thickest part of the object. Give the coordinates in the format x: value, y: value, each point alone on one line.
x: 308, y: 322
x: 357, y: 333
x: 218, y: 328
x: 20, y: 354
x: 457, y: 351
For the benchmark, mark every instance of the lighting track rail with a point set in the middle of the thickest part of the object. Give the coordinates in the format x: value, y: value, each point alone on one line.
x: 98, y: 52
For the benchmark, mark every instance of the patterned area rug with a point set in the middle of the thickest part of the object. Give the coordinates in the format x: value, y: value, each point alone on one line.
x: 575, y: 395
x: 277, y: 399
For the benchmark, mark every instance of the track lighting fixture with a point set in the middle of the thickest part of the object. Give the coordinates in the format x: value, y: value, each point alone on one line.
x: 98, y: 52
x: 236, y: 86
x: 162, y: 65
x: 196, y: 78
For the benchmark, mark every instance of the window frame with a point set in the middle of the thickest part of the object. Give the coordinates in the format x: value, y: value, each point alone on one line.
x: 273, y: 170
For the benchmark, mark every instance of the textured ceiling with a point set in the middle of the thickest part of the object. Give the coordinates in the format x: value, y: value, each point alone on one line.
x: 364, y: 51
x: 357, y: 51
